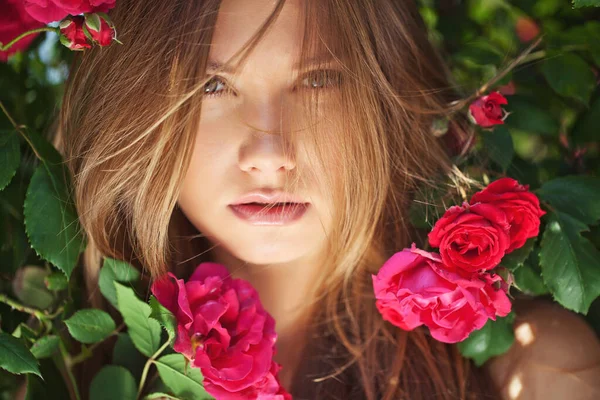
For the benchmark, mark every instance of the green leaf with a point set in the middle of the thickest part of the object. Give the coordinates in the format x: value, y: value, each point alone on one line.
x: 570, y: 263
x: 24, y: 331
x: 51, y: 221
x: 144, y: 331
x: 586, y: 128
x: 113, y: 382
x: 495, y: 338
x: 527, y: 116
x: 578, y: 196
x: 529, y: 281
x: 15, y: 357
x: 499, y: 146
x: 126, y: 355
x: 586, y: 3
x: 56, y: 281
x: 29, y: 287
x: 10, y: 156
x: 45, y: 346
x: 184, y: 381
x: 164, y: 317
x: 570, y: 76
x: 115, y: 270
x: 159, y: 395
x: 90, y: 325
x: 517, y: 257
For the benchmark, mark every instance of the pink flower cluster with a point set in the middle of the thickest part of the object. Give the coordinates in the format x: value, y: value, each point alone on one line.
x: 223, y: 329
x: 455, y: 292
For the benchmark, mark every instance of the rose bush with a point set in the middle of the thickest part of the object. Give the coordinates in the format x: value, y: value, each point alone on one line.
x: 471, y: 238
x: 224, y: 330
x: 414, y: 288
x: 486, y: 111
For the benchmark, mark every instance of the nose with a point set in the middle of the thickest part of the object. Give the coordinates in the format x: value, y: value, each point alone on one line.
x: 266, y: 149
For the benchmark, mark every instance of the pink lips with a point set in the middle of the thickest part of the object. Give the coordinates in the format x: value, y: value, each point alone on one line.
x: 269, y: 208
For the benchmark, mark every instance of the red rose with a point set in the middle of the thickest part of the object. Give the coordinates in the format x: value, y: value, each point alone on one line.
x: 72, y: 35
x: 14, y: 20
x: 55, y: 10
x: 526, y: 29
x: 99, y: 29
x: 413, y: 288
x: 486, y: 111
x: 224, y: 330
x: 522, y: 208
x: 471, y: 238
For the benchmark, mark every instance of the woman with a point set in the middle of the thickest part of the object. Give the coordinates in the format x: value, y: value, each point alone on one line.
x: 284, y: 139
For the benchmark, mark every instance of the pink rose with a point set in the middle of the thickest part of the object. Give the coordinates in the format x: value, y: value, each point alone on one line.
x: 486, y: 111
x: 521, y: 207
x: 14, y: 20
x: 224, y: 330
x: 471, y: 238
x: 54, y: 10
x: 72, y: 35
x: 413, y: 288
x: 268, y: 388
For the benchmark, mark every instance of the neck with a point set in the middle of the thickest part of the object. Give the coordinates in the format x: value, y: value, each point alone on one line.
x: 286, y: 291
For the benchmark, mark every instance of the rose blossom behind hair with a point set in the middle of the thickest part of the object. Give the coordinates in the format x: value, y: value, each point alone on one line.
x: 54, y: 10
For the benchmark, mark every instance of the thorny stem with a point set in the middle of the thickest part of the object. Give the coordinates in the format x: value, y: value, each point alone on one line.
x: 39, y: 314
x: 22, y: 35
x: 84, y: 355
x: 147, y: 366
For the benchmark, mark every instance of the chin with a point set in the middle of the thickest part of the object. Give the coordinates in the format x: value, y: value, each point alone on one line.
x: 262, y: 254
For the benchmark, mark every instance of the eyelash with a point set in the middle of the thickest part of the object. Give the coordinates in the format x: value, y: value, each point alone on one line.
x: 328, y: 74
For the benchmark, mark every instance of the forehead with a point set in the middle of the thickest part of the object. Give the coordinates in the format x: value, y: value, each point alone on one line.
x: 238, y: 20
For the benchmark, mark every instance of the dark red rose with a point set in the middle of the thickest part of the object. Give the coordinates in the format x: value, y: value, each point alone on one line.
x: 486, y: 111
x: 522, y: 208
x: 72, y: 35
x: 14, y: 20
x: 101, y: 30
x: 471, y: 238
x: 55, y: 10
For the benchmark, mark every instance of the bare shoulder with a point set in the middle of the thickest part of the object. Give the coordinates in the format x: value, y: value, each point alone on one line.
x: 556, y: 355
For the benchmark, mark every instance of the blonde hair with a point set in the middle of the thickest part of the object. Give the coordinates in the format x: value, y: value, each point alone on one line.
x: 127, y: 127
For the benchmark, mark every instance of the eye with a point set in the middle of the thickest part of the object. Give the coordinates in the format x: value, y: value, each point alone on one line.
x: 216, y: 86
x: 322, y: 79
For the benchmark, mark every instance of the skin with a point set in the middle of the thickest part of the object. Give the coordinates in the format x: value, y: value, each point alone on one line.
x: 241, y: 146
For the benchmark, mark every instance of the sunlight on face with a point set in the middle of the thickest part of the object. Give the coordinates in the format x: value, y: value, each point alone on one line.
x: 242, y: 158
x: 524, y: 334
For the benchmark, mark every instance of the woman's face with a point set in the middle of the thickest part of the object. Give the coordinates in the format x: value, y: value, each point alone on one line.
x: 243, y: 154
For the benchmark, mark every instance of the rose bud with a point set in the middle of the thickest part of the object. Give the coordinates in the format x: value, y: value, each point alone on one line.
x: 99, y: 28
x: 486, y: 111
x: 72, y: 35
x: 526, y: 29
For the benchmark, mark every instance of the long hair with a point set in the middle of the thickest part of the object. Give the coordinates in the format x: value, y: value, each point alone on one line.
x: 127, y: 127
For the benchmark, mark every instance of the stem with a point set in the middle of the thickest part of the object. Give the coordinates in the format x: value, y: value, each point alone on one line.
x: 22, y: 35
x: 67, y: 361
x: 84, y: 355
x: 23, y: 308
x: 18, y: 129
x: 147, y: 367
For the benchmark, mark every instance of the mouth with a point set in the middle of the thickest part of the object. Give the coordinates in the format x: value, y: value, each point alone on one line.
x: 273, y: 213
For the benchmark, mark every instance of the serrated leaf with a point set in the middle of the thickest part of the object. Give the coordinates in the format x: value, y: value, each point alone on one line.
x: 184, y: 382
x: 164, y: 317
x: 570, y: 76
x: 586, y: 3
x: 45, y: 346
x: 29, y: 287
x: 90, y: 325
x: 517, y: 257
x: 495, y: 338
x: 113, y: 382
x: 10, y: 156
x: 115, y: 270
x: 499, y: 146
x: 56, y: 281
x: 143, y: 330
x: 15, y: 357
x: 570, y: 263
x: 578, y: 196
x: 51, y: 221
x: 529, y: 281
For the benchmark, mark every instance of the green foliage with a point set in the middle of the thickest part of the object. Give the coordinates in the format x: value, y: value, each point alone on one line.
x: 113, y: 382
x: 144, y: 331
x: 29, y: 287
x: 184, y: 381
x: 586, y: 3
x: 90, y: 325
x: 115, y: 270
x: 493, y: 339
x: 10, y: 156
x: 45, y: 346
x: 570, y: 76
x: 15, y: 357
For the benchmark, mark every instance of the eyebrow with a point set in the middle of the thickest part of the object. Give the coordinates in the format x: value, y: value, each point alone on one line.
x: 213, y: 65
